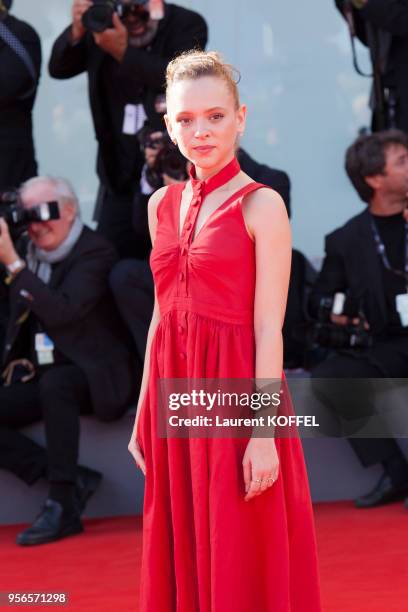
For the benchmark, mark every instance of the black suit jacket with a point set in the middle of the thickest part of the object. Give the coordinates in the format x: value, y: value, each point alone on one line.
x: 78, y: 313
x: 352, y: 264
x: 143, y: 69
x: 17, y: 160
x: 277, y: 179
x: 389, y: 16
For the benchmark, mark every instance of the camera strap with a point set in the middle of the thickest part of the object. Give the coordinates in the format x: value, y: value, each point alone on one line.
x: 12, y: 41
x: 380, y: 246
x: 349, y: 16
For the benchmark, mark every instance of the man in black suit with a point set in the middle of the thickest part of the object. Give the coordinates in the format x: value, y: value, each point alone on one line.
x: 126, y: 71
x: 383, y: 25
x: 66, y: 353
x: 20, y: 66
x: 366, y: 259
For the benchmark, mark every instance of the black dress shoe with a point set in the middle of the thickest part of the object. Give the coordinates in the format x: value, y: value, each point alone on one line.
x: 385, y: 492
x: 51, y: 524
x: 86, y: 484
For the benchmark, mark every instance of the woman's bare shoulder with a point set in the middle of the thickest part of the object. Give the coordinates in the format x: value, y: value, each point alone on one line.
x: 156, y: 198
x: 264, y: 205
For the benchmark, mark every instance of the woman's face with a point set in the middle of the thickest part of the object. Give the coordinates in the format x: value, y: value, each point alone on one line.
x: 202, y: 117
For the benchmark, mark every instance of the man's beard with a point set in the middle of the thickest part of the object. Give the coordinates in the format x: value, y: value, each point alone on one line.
x: 142, y: 40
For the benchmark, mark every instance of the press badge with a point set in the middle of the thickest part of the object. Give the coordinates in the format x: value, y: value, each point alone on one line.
x: 401, y: 304
x: 133, y: 119
x: 44, y: 347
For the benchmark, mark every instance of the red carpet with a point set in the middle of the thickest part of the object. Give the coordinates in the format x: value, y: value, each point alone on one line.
x: 363, y: 559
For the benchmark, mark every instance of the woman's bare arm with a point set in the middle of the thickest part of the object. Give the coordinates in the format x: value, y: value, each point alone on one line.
x: 267, y: 221
x: 133, y: 445
x: 269, y: 224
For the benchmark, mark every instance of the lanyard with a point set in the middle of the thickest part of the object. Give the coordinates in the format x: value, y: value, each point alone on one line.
x: 382, y: 253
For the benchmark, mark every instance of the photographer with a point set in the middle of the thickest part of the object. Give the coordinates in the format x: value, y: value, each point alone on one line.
x: 20, y: 66
x: 366, y: 259
x: 125, y: 52
x: 66, y: 353
x: 382, y: 25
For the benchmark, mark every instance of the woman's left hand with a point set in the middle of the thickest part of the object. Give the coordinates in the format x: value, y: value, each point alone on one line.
x: 260, y: 465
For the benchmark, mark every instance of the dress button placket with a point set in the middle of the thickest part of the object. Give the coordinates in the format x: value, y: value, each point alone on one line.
x: 200, y: 189
x: 183, y: 266
x: 186, y: 236
x: 185, y: 241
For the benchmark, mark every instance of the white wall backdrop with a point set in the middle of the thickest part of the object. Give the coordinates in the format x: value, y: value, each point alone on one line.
x: 306, y: 104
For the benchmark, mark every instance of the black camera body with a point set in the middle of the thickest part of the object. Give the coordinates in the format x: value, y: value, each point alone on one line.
x: 326, y: 334
x: 98, y: 17
x: 19, y: 218
x: 169, y: 160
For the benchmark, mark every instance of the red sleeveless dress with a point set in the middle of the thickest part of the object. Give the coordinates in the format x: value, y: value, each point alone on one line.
x: 204, y: 548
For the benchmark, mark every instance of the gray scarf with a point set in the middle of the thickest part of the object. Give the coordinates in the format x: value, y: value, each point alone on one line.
x: 40, y: 261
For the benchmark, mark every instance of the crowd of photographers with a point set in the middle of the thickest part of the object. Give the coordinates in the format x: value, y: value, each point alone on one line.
x: 70, y: 295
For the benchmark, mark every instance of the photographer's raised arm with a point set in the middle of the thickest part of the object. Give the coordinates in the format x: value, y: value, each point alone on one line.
x: 388, y: 15
x: 69, y: 54
x: 358, y: 21
x: 67, y: 59
x: 150, y: 67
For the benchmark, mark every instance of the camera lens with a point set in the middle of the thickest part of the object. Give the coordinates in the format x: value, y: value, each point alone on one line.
x: 154, y: 143
x: 98, y: 17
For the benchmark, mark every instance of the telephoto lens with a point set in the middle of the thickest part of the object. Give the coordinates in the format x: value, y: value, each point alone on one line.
x: 98, y: 17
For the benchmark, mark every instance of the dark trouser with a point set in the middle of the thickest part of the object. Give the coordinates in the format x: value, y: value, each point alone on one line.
x: 131, y: 282
x: 358, y: 404
x: 57, y: 397
x: 115, y: 216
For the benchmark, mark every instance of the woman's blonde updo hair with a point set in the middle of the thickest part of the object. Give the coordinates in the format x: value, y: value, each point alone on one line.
x: 195, y: 64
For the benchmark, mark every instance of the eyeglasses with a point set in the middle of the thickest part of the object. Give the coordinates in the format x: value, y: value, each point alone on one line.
x: 155, y: 143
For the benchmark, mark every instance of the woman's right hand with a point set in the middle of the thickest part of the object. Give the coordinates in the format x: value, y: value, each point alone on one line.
x: 136, y: 452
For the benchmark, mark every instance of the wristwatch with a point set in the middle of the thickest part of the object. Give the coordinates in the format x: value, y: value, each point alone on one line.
x: 14, y: 268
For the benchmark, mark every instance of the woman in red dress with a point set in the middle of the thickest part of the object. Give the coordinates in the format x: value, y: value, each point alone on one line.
x: 228, y: 524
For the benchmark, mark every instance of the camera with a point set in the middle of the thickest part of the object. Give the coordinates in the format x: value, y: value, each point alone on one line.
x: 325, y: 334
x: 19, y: 218
x: 98, y: 17
x: 168, y: 161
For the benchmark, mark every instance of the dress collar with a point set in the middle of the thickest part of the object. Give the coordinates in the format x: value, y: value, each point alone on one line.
x: 226, y: 173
